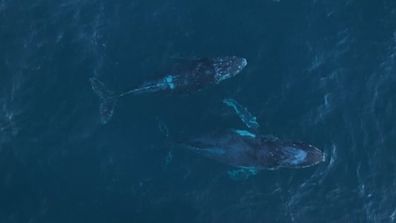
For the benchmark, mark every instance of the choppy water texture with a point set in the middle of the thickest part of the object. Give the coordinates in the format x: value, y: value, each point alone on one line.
x: 319, y: 71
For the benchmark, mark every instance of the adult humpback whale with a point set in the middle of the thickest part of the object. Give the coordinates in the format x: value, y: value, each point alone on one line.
x: 200, y: 74
x: 250, y: 151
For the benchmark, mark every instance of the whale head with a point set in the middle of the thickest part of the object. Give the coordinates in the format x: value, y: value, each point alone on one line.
x: 300, y: 155
x: 227, y: 67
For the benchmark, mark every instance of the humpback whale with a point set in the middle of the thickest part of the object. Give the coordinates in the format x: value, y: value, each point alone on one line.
x: 251, y: 151
x: 200, y: 74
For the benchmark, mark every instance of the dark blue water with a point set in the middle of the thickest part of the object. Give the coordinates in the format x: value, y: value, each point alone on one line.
x: 318, y: 71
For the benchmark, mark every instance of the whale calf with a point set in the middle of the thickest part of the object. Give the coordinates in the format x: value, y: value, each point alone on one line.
x: 200, y: 74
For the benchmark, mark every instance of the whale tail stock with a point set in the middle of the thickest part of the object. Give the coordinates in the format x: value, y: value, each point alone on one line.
x: 107, y: 99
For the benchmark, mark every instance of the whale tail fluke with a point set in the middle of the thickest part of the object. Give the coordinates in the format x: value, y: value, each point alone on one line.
x: 107, y: 99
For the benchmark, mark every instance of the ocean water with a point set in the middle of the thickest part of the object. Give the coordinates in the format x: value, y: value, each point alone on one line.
x: 319, y: 71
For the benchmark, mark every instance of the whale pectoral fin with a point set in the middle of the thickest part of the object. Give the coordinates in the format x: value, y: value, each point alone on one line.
x: 270, y: 138
x: 209, y: 152
x: 246, y: 117
x: 242, y: 173
x: 244, y: 133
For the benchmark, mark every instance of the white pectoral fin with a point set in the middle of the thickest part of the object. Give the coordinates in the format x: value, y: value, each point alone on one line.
x: 244, y: 133
x: 246, y: 117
